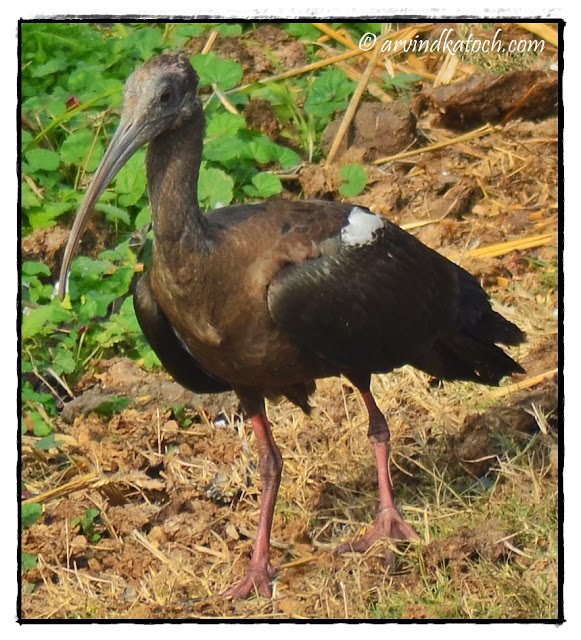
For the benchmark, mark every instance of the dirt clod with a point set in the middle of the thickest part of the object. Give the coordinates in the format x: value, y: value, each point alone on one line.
x: 466, y: 545
x: 378, y: 129
x: 491, y: 97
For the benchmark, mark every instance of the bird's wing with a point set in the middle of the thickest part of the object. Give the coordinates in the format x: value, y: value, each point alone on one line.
x: 374, y: 299
x: 168, y: 346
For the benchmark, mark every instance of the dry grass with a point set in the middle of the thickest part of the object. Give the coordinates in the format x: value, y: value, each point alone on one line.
x: 505, y: 565
x: 179, y: 505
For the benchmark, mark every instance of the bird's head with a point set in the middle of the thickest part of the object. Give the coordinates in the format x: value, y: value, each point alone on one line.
x: 159, y: 96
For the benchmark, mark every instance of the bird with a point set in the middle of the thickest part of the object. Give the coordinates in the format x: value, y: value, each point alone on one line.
x: 266, y: 298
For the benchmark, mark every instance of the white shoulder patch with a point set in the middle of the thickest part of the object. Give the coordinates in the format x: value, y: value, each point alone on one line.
x: 361, y: 228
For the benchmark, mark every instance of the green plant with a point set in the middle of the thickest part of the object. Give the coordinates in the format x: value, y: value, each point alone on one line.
x: 328, y: 93
x: 30, y: 513
x: 298, y: 125
x: 212, y: 70
x: 112, y: 405
x: 401, y: 82
x: 355, y: 180
x: 87, y: 523
x: 548, y: 272
x: 181, y: 416
x: 28, y: 561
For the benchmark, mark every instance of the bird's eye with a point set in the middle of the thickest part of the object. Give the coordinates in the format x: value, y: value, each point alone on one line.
x: 166, y: 95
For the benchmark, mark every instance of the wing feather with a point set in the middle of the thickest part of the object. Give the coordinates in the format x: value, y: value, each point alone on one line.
x: 368, y: 306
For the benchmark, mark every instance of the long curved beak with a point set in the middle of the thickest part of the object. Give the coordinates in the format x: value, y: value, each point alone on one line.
x: 129, y: 137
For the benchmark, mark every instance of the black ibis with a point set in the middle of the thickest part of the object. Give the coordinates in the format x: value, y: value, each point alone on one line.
x: 266, y: 298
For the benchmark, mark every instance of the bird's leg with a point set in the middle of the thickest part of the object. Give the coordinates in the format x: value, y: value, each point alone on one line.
x: 388, y: 522
x: 260, y: 570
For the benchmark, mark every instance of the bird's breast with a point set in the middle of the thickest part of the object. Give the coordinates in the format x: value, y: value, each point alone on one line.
x: 225, y: 324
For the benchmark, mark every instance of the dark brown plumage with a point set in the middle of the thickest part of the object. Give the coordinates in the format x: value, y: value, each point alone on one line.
x: 263, y: 299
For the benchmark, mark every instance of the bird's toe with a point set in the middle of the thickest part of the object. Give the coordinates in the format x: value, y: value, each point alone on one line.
x: 388, y: 524
x: 256, y: 581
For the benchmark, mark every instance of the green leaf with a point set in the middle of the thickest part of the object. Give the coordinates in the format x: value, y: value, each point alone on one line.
x: 54, y: 65
x: 30, y: 513
x: 261, y: 149
x: 87, y: 524
x: 63, y: 361
x: 26, y: 137
x: 275, y: 93
x: 42, y: 159
x: 28, y: 393
x: 97, y: 283
x: 41, y: 428
x: 113, y: 213
x: 144, y: 40
x: 264, y: 185
x: 329, y: 93
x: 287, y: 158
x: 88, y: 268
x: 96, y: 294
x: 47, y: 215
x: 35, y: 291
x: 28, y: 561
x: 89, y: 518
x: 213, y: 70
x: 56, y: 107
x: 89, y: 81
x: 187, y: 31
x: 149, y: 357
x: 224, y: 124
x: 76, y: 148
x: 30, y: 268
x: 229, y: 30
x: 224, y: 149
x: 355, y: 177
x: 28, y: 199
x: 131, y: 182
x: 401, y: 81
x: 48, y: 442
x: 215, y: 187
x: 121, y: 326
x: 302, y: 30
x: 111, y: 406
x: 264, y: 151
x: 143, y: 218
x: 43, y: 319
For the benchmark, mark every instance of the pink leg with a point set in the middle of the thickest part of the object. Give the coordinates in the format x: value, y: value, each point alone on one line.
x: 260, y: 570
x: 388, y: 522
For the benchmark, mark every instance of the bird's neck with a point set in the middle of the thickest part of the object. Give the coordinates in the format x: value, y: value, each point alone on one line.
x: 173, y: 166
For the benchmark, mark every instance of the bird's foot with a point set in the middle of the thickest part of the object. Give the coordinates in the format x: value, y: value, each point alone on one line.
x: 388, y: 524
x: 256, y: 580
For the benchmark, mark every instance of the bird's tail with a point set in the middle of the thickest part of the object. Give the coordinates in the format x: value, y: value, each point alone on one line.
x: 471, y: 352
x: 469, y: 357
